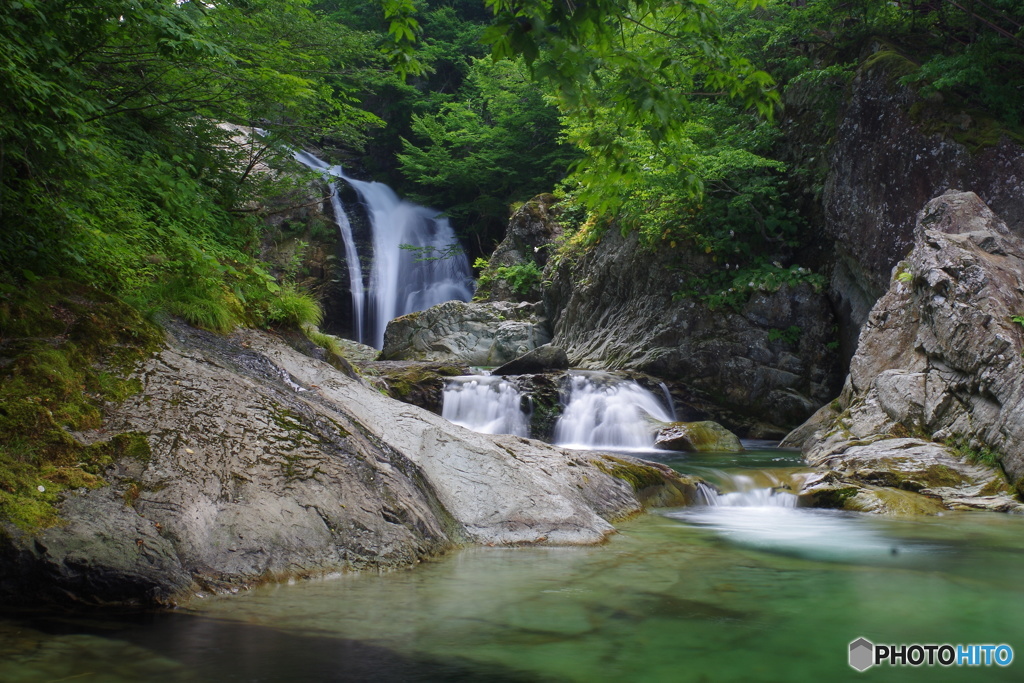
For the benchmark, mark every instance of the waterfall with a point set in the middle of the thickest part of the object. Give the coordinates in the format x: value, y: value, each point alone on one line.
x: 602, y: 411
x: 355, y: 273
x: 491, y: 405
x: 401, y: 280
x: 404, y: 280
x: 748, y: 492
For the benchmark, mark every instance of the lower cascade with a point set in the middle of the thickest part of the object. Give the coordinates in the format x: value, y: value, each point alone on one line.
x: 490, y: 405
x: 748, y: 492
x: 603, y: 411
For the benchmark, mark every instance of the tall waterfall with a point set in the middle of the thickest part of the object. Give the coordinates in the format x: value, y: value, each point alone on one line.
x: 491, y: 405
x: 355, y: 272
x: 603, y: 411
x: 401, y: 280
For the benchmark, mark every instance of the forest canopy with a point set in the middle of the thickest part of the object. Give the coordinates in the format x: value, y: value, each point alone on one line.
x: 120, y: 165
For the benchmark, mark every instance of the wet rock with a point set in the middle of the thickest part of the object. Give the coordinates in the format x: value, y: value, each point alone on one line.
x: 701, y: 437
x: 267, y: 464
x: 546, y: 358
x: 543, y: 392
x: 939, y: 359
x: 474, y: 333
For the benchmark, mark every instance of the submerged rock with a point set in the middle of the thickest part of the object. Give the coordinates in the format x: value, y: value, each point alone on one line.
x: 546, y: 358
x: 938, y: 360
x: 265, y: 464
x: 472, y: 333
x: 701, y: 437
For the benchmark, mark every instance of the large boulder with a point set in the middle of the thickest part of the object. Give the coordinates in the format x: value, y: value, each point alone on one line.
x: 473, y: 333
x: 263, y: 464
x: 547, y: 358
x: 938, y: 376
x: 701, y: 437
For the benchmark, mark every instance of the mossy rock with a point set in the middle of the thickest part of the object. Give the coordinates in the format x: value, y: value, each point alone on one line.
x: 416, y: 383
x: 654, y: 485
x: 700, y: 437
x: 65, y: 350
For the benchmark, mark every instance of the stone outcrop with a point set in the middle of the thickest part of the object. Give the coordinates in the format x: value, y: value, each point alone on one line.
x: 473, y: 333
x: 547, y: 358
x: 700, y: 437
x: 417, y: 383
x: 264, y: 463
x: 612, y: 308
x: 894, y: 151
x: 938, y: 375
x: 531, y: 233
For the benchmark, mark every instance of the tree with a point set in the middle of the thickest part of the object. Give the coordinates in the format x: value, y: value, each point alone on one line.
x: 636, y: 64
x: 495, y: 144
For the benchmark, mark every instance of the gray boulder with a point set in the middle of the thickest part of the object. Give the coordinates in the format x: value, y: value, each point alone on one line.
x: 546, y: 358
x: 938, y: 360
x: 473, y: 333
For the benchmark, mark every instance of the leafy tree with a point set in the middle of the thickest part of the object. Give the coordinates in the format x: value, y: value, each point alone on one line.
x: 638, y: 64
x: 476, y: 155
x: 117, y: 165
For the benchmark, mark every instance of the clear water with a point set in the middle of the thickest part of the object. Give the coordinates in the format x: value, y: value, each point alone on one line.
x: 722, y: 593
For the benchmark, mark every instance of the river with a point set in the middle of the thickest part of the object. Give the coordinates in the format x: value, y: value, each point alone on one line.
x: 741, y: 592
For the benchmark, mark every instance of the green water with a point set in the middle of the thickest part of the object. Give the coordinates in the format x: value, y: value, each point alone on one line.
x: 713, y: 594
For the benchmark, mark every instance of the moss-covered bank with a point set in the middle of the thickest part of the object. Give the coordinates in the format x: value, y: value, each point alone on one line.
x: 65, y: 350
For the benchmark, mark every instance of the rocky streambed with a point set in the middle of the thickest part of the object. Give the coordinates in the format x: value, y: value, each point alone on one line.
x: 265, y: 464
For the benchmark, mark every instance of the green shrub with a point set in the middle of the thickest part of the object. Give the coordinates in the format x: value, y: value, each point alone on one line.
x: 292, y: 307
x: 521, y: 278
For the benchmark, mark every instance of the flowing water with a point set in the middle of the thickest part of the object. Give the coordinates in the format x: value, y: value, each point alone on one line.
x: 603, y: 411
x: 490, y: 405
x: 416, y: 261
x: 726, y: 592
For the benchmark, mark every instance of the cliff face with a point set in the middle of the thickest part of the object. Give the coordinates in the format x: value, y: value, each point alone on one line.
x: 894, y: 151
x: 935, y: 397
x: 612, y: 307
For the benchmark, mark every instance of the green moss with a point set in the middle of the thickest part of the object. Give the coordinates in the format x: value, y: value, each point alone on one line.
x: 637, y: 475
x: 64, y: 350
x: 894, y: 64
x: 834, y: 498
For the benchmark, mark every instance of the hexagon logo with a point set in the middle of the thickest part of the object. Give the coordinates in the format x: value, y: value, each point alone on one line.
x: 862, y: 654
